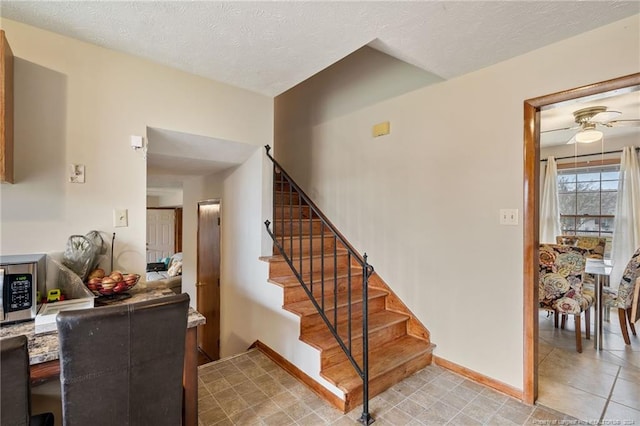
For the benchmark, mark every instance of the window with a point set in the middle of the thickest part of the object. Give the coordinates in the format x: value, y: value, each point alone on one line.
x: 587, y: 197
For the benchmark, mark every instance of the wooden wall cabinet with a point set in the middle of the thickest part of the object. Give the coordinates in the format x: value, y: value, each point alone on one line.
x: 6, y: 111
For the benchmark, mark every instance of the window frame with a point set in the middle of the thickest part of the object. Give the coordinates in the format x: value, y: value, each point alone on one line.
x: 585, y: 165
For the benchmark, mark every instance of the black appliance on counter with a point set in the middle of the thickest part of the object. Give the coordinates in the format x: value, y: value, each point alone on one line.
x: 21, y: 277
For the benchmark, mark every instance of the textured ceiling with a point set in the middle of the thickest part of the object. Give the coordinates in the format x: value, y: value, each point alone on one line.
x: 270, y: 46
x: 198, y: 156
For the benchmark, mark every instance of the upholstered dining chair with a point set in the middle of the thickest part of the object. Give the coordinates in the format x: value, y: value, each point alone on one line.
x: 635, y: 304
x: 560, y: 281
x: 15, y: 385
x: 624, y: 297
x: 595, y: 246
x: 123, y: 364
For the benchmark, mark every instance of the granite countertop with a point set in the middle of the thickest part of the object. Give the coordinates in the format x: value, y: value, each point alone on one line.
x: 43, y: 347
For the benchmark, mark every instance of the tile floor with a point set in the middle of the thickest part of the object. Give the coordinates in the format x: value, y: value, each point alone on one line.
x: 249, y: 389
x: 592, y: 385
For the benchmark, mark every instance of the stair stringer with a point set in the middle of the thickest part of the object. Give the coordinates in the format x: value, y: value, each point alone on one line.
x: 415, y: 327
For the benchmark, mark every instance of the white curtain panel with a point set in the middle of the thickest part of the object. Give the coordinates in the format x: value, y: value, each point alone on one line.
x: 626, y: 232
x: 550, y: 208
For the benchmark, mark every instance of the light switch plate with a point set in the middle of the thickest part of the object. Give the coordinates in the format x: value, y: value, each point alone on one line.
x: 508, y: 216
x: 120, y: 218
x: 76, y: 173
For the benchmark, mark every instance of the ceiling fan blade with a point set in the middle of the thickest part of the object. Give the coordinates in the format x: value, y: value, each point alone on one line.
x: 572, y: 140
x: 560, y: 129
x: 635, y: 122
x: 605, y: 117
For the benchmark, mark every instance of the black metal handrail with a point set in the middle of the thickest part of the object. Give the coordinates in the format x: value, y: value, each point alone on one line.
x: 286, y: 246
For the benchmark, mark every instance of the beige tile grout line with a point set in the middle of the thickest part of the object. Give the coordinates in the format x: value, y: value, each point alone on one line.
x: 606, y: 404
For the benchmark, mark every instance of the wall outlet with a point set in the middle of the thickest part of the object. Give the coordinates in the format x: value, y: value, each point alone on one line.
x: 508, y: 216
x: 120, y: 218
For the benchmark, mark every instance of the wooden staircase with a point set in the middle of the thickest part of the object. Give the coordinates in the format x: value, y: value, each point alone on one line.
x: 398, y: 344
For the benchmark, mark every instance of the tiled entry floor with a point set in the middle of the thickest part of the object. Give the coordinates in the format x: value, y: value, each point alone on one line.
x: 593, y: 385
x: 249, y: 389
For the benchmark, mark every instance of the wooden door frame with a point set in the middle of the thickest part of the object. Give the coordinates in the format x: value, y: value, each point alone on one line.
x: 531, y: 212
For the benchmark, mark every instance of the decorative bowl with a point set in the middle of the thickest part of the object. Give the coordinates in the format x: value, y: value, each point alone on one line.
x: 108, y: 286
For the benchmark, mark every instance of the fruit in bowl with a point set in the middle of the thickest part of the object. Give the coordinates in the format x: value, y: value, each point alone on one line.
x: 114, y: 283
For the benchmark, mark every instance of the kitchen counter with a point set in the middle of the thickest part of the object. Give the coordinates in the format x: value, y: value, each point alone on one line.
x: 43, y: 347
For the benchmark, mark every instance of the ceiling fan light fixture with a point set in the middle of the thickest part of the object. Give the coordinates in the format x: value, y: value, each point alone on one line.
x: 588, y: 136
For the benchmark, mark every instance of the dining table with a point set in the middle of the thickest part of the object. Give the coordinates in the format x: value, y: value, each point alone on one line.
x: 601, y: 269
x: 44, y: 357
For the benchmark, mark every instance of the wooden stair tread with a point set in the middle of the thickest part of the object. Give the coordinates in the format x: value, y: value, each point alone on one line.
x: 323, y: 339
x: 296, y: 224
x: 306, y: 237
x: 292, y: 281
x: 328, y: 235
x: 293, y: 192
x: 305, y: 307
x: 382, y: 359
x: 285, y: 221
x: 280, y: 258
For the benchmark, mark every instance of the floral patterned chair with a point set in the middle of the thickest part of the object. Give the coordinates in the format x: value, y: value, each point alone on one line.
x: 560, y: 281
x: 595, y: 246
x: 623, y: 298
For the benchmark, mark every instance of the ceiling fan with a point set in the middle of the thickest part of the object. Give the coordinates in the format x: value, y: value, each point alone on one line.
x: 589, y: 119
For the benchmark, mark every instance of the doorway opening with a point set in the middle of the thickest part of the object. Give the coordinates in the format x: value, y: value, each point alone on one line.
x: 164, y: 232
x: 532, y: 108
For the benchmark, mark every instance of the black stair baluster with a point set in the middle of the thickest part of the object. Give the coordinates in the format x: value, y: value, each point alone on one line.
x: 322, y: 266
x: 310, y: 252
x: 366, y: 417
x: 349, y: 298
x: 299, y: 232
x: 335, y: 280
x: 274, y: 201
x: 290, y: 219
x: 282, y: 203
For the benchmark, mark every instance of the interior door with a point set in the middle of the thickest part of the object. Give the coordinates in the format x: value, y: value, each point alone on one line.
x: 160, y: 233
x: 208, y: 285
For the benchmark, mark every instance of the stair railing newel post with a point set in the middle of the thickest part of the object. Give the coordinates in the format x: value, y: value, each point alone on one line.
x: 366, y: 418
x: 351, y: 254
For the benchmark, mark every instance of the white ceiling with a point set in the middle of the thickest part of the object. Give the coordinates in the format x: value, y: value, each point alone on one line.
x: 270, y: 46
x: 173, y: 156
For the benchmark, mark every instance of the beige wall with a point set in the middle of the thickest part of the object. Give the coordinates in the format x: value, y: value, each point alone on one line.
x: 423, y: 202
x: 79, y: 103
